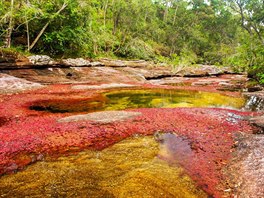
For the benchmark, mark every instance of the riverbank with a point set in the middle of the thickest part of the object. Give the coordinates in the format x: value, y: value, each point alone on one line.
x: 37, y: 97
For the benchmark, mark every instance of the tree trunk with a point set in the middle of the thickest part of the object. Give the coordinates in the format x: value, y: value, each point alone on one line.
x: 175, y: 14
x: 116, y: 21
x: 10, y: 26
x: 105, y: 11
x: 28, y: 38
x: 258, y: 33
x: 116, y: 15
x: 27, y: 28
x: 166, y: 11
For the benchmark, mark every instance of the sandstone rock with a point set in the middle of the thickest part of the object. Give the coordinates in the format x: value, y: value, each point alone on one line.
x: 80, y: 75
x: 255, y: 100
x: 258, y: 121
x: 150, y: 73
x: 80, y: 62
x: 10, y: 84
x: 40, y: 60
x: 103, y: 86
x: 202, y: 83
x: 205, y: 70
x: 210, y: 81
x: 247, y: 168
x: 102, y: 117
x: 76, y: 62
x: 173, y: 81
x: 96, y: 64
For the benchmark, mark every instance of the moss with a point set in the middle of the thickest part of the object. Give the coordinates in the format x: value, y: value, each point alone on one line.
x: 11, y: 54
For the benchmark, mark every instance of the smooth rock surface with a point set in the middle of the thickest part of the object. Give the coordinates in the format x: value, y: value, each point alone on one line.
x: 10, y: 84
x: 247, y: 169
x: 103, y: 86
x: 102, y: 117
x: 205, y: 70
x: 75, y: 75
x: 80, y: 62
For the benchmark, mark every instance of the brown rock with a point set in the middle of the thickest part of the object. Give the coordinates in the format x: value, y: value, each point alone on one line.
x: 258, y: 121
x: 247, y: 167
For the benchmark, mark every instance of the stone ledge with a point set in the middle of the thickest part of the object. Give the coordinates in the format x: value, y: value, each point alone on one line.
x: 104, y: 86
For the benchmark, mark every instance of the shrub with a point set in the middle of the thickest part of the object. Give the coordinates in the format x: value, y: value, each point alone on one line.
x: 137, y: 48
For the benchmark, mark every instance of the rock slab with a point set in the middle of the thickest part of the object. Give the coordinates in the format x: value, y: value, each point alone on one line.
x: 10, y: 84
x: 102, y: 117
x: 103, y: 86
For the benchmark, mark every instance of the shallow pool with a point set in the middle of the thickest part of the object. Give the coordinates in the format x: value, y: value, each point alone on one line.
x: 131, y: 168
x: 140, y: 98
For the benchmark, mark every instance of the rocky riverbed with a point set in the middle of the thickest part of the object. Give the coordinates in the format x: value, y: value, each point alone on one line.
x: 51, y: 109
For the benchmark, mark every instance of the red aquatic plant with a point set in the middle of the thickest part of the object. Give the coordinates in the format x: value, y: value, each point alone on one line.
x: 29, y: 135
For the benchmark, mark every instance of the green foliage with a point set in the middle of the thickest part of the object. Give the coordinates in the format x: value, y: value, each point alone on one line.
x: 136, y: 48
x: 178, y: 32
x: 12, y: 53
x: 257, y: 72
x: 261, y: 78
x: 187, y: 57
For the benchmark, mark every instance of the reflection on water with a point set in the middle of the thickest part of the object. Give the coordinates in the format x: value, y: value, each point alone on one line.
x: 174, y: 149
x: 127, y: 169
x: 67, y: 105
x: 150, y: 98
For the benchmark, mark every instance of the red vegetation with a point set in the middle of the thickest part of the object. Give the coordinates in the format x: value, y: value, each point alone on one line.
x: 29, y: 135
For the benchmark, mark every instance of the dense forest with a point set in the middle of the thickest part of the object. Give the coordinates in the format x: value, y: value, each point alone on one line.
x: 180, y: 32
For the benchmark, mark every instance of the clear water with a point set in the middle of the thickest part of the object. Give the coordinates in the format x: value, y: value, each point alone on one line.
x: 169, y: 99
x: 131, y: 168
x: 148, y: 98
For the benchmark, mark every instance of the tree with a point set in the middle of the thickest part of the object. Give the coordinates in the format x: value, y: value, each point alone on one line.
x: 10, y: 26
x: 193, y: 31
x: 46, y: 25
x: 252, y: 16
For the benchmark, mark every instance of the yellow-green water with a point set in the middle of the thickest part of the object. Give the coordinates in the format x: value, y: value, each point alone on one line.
x: 130, y: 168
x: 169, y: 98
x: 142, y: 98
